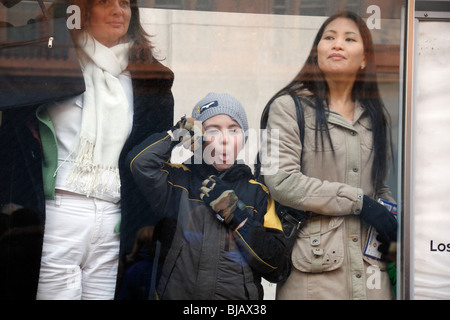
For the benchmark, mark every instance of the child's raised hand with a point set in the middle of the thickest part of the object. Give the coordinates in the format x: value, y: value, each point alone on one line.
x: 190, y: 132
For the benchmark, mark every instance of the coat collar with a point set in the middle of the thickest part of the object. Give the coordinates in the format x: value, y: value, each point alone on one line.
x: 236, y: 172
x: 359, y: 117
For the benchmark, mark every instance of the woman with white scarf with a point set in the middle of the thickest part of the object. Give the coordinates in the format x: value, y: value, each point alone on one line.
x: 88, y: 193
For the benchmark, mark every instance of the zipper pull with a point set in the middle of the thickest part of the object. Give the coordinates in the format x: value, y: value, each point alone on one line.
x: 50, y: 42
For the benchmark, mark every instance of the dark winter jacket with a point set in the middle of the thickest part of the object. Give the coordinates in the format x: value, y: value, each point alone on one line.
x: 205, y: 259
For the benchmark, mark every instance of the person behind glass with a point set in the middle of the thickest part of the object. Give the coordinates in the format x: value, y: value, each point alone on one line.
x: 345, y: 152
x: 138, y: 267
x: 81, y: 143
x: 222, y: 232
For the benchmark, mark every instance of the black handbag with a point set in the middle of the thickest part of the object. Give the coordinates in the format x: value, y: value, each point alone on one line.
x: 38, y: 62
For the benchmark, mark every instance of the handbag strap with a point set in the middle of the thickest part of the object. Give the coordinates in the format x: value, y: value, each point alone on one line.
x: 300, y: 120
x: 45, y: 16
x: 263, y: 125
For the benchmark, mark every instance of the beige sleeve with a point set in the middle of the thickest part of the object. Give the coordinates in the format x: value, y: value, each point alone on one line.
x: 282, y: 169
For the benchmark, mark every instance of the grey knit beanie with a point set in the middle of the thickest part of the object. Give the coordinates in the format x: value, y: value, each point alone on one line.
x: 216, y: 103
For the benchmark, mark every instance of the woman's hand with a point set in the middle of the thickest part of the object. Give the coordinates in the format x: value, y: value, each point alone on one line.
x: 380, y: 218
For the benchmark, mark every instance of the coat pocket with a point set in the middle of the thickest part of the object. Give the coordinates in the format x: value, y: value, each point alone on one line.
x: 320, y: 246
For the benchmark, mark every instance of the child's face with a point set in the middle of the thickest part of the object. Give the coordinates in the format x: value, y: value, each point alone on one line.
x: 224, y: 140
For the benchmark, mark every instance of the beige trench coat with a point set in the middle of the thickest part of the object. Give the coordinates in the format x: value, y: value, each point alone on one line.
x: 328, y: 260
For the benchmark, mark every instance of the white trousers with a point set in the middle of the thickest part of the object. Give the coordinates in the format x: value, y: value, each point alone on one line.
x: 80, y: 251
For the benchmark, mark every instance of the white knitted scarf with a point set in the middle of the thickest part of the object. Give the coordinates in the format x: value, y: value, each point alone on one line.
x: 104, y: 124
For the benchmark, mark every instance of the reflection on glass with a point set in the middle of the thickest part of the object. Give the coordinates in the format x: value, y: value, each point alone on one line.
x: 251, y: 49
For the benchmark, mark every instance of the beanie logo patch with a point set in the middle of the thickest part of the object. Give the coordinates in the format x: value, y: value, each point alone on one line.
x: 209, y: 105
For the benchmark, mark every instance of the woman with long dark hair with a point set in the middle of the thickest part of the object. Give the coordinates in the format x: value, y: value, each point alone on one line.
x: 336, y: 171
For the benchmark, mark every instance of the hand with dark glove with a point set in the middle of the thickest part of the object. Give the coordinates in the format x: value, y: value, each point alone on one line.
x: 223, y: 201
x: 189, y: 132
x: 375, y: 214
x: 387, y: 248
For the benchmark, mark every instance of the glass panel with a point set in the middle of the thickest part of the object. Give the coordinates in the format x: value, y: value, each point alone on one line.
x: 249, y: 49
x: 430, y: 174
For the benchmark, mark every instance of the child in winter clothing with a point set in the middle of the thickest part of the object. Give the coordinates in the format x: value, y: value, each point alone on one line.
x: 221, y: 230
